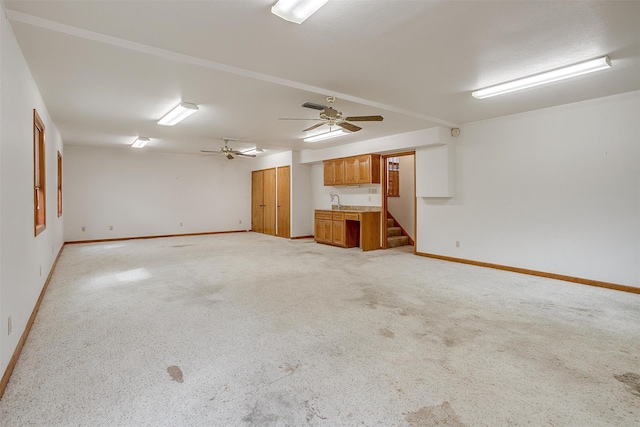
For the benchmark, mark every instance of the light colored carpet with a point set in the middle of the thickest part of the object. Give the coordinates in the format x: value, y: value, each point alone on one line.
x: 245, y: 329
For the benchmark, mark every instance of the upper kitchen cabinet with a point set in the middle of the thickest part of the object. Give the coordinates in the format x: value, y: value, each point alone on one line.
x: 334, y: 172
x: 354, y: 170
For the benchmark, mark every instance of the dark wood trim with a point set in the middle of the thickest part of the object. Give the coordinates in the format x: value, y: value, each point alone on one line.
x: 153, y: 237
x: 16, y: 354
x: 59, y: 185
x: 589, y: 282
x: 302, y: 237
x: 39, y: 170
x: 404, y: 232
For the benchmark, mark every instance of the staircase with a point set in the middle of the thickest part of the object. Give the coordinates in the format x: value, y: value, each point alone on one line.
x: 394, y: 235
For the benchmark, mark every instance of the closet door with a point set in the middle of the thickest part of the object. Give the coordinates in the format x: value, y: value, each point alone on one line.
x: 257, y: 201
x: 269, y: 201
x: 284, y: 201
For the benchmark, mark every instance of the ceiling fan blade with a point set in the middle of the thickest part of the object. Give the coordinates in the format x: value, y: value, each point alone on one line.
x: 313, y: 127
x: 364, y: 119
x: 209, y: 151
x: 296, y: 119
x: 238, y: 153
x: 349, y: 126
x: 229, y: 156
x: 313, y: 106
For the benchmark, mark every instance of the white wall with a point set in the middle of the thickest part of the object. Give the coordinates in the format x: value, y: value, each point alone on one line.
x: 402, y: 207
x: 363, y: 195
x: 301, y: 212
x: 555, y: 190
x: 141, y: 193
x: 25, y: 260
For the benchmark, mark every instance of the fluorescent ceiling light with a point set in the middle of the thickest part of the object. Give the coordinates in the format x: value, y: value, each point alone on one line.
x: 543, y: 78
x: 251, y: 151
x: 178, y: 114
x: 140, y: 142
x: 296, y: 10
x: 326, y: 135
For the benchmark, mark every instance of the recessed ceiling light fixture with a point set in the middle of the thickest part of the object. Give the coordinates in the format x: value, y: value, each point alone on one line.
x: 178, y: 114
x: 546, y: 77
x: 296, y: 10
x: 327, y: 135
x: 140, y: 142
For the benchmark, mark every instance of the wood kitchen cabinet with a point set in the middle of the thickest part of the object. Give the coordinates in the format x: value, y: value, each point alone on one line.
x: 348, y: 229
x: 354, y: 170
x: 339, y: 238
x: 323, y: 227
x: 334, y: 172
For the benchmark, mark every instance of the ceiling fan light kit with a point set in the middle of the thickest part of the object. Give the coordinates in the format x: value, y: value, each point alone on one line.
x: 326, y: 135
x: 140, y: 142
x: 296, y: 11
x: 558, y: 74
x: 178, y: 114
x: 229, y: 152
x: 331, y: 117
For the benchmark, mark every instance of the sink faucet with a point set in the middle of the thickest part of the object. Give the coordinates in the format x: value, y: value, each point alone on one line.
x: 335, y: 195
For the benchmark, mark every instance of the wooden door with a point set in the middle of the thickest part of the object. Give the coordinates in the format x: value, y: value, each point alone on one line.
x: 257, y: 201
x: 284, y: 201
x: 269, y: 201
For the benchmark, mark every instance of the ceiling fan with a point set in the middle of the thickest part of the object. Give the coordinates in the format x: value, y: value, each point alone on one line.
x: 229, y: 152
x: 332, y: 117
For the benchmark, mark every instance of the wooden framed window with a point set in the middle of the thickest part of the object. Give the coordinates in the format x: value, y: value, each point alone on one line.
x: 393, y: 177
x: 59, y: 184
x: 39, y: 176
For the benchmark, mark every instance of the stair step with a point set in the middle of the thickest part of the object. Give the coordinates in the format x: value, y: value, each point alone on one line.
x: 394, y: 242
x: 394, y: 231
x: 390, y: 222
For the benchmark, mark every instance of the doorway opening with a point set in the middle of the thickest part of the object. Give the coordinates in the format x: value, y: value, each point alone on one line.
x: 399, y: 200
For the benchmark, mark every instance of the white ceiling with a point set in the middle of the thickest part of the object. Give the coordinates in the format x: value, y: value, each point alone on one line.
x: 108, y: 70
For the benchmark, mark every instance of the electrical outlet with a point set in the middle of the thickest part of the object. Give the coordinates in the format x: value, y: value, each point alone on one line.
x: 9, y: 326
x: 240, y: 222
x: 40, y: 271
x: 180, y: 224
x: 111, y: 228
x: 457, y: 243
x: 84, y: 228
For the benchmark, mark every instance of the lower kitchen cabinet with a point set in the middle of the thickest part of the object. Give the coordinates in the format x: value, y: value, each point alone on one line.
x: 348, y: 229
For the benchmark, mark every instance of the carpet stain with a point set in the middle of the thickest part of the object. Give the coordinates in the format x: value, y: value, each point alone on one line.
x: 288, y: 368
x: 438, y: 415
x: 386, y: 333
x: 631, y: 380
x: 175, y: 373
x: 312, y: 411
x: 449, y: 341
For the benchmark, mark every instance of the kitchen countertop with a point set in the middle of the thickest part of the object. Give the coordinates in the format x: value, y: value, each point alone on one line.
x: 354, y: 209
